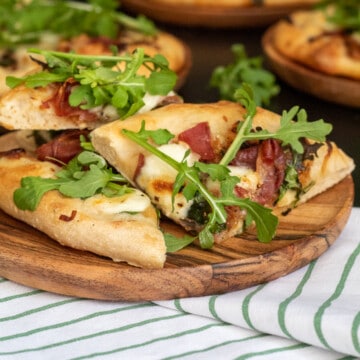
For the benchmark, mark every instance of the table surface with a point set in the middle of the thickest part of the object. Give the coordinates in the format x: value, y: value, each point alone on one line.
x: 212, y: 48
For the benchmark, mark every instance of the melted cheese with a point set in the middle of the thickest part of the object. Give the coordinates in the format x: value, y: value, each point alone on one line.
x: 152, y: 101
x: 155, y: 170
x: 249, y: 179
x: 154, y: 167
x: 102, y: 206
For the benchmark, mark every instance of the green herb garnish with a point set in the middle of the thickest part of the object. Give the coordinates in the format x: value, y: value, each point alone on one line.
x: 84, y: 176
x: 26, y: 21
x: 188, y: 179
x: 290, y: 132
x: 102, y: 80
x: 245, y: 69
x: 343, y: 13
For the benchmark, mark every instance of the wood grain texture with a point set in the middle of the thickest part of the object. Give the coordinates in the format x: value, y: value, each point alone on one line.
x: 218, y: 16
x: 29, y: 257
x: 335, y: 89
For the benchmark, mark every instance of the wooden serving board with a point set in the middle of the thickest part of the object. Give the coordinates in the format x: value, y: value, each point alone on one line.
x: 335, y: 89
x: 31, y: 258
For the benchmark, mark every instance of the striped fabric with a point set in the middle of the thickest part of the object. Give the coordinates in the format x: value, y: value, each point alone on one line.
x: 313, y: 313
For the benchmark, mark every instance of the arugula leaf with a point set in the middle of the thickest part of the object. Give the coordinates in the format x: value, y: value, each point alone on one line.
x: 227, y: 79
x: 32, y: 189
x: 173, y: 243
x: 159, y: 136
x: 290, y: 131
x: 24, y: 22
x: 37, y: 79
x: 84, y: 176
x: 100, y: 82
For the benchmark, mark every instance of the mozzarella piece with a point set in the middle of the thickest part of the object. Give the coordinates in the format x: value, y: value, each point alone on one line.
x: 155, y: 170
x: 154, y: 167
x: 109, y: 207
x: 152, y: 101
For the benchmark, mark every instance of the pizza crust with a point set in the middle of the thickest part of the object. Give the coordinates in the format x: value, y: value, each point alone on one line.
x: 329, y: 167
x: 311, y: 41
x: 22, y: 62
x: 134, y: 238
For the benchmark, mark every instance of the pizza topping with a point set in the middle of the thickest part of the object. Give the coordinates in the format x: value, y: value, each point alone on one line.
x: 104, y: 206
x: 64, y: 217
x: 153, y: 101
x: 62, y: 107
x: 246, y: 157
x: 270, y: 165
x: 13, y: 153
x: 191, y: 180
x: 310, y: 150
x: 342, y: 13
x: 171, y: 98
x: 268, y: 161
x: 140, y: 164
x: 290, y: 132
x: 63, y: 148
x: 101, y: 81
x: 199, y: 140
x: 84, y: 176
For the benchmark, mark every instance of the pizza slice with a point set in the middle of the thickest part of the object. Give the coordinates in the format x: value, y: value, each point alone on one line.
x: 77, y: 200
x: 321, y: 40
x: 84, y: 91
x: 81, y: 28
x: 214, y: 168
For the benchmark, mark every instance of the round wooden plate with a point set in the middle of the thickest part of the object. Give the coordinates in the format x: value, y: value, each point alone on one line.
x: 31, y: 258
x: 335, y: 89
x: 218, y: 16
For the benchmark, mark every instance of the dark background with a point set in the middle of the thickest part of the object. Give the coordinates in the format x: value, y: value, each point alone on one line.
x: 212, y: 47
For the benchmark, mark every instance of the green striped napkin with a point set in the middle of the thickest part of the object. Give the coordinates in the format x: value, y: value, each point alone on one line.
x: 313, y: 313
x: 318, y: 304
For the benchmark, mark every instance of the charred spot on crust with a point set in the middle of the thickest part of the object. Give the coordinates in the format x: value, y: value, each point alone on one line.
x: 288, y: 19
x: 162, y: 186
x: 310, y: 150
x: 353, y: 47
x: 7, y: 59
